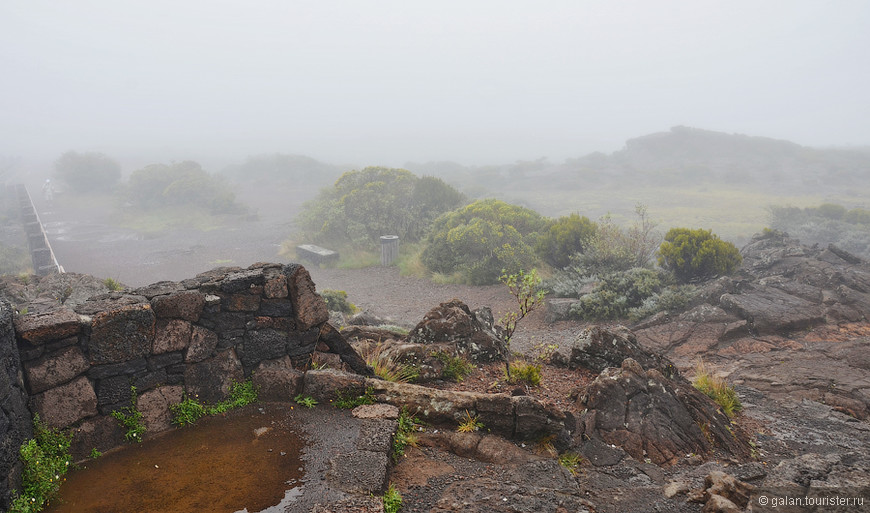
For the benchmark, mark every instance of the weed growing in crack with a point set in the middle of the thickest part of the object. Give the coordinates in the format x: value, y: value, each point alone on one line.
x: 469, y: 423
x: 130, y: 418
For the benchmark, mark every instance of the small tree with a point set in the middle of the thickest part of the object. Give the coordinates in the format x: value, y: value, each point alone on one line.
x: 694, y: 255
x: 525, y: 288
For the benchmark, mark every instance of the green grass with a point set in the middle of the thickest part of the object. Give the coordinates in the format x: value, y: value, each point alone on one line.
x: 570, y: 461
x: 305, y: 400
x: 388, y: 367
x: 392, y: 500
x: 717, y: 389
x: 113, y: 284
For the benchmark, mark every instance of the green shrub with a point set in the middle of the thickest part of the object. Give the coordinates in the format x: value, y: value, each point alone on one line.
x: 113, y: 284
x: 566, y: 236
x: 180, y: 183
x: 694, y: 255
x: 336, y: 301
x: 482, y: 240
x: 670, y: 299
x: 187, y: 412
x: 617, y: 293
x: 522, y: 372
x: 570, y: 461
x: 46, y: 459
x: 363, y: 205
x: 305, y: 400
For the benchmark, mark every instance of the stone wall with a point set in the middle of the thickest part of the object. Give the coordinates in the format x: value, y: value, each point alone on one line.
x: 168, y: 339
x: 15, y: 423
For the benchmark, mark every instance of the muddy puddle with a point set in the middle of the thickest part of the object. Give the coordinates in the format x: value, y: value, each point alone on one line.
x: 245, y: 462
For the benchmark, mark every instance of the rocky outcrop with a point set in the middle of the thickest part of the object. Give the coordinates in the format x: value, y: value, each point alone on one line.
x: 598, y: 347
x: 471, y: 333
x: 653, y: 417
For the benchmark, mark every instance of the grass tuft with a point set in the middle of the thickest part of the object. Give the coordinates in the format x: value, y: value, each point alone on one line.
x: 717, y: 389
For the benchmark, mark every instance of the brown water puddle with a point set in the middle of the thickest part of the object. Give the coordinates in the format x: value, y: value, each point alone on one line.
x: 247, y: 460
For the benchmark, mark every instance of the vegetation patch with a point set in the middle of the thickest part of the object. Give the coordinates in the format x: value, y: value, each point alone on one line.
x: 392, y: 500
x: 570, y: 461
x: 455, y: 367
x: 717, y: 389
x: 336, y: 301
x: 349, y: 398
x: 188, y: 411
x: 130, y: 419
x: 406, y: 434
x: 694, y: 255
x: 526, y: 373
x: 469, y: 423
x: 46, y: 459
x: 305, y: 400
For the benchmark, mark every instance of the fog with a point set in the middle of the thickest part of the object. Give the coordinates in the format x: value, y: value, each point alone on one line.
x: 387, y: 82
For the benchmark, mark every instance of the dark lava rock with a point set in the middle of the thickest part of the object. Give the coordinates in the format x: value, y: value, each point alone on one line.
x: 598, y: 348
x: 472, y: 333
x: 652, y: 417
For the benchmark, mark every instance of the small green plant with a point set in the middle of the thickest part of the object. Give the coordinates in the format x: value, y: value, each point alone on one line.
x: 717, y: 389
x: 523, y: 372
x: 392, y: 499
x: 46, y: 459
x: 405, y: 434
x: 469, y: 423
x: 305, y: 400
x: 95, y: 454
x: 570, y: 461
x: 241, y: 394
x: 113, y: 284
x: 130, y: 418
x: 24, y: 311
x: 694, y: 255
x: 187, y: 412
x: 525, y: 288
x: 455, y: 367
x: 350, y: 397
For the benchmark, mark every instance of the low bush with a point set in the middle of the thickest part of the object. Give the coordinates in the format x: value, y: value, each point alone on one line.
x: 617, y: 293
x: 694, y: 255
x: 455, y: 367
x: 522, y: 372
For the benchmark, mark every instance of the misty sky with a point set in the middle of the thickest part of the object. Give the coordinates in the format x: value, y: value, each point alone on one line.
x: 374, y: 82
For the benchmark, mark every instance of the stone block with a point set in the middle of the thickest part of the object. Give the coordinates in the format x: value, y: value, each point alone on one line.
x: 202, y: 344
x: 172, y: 335
x: 242, y: 281
x: 164, y: 360
x: 263, y: 345
x: 323, y: 384
x: 185, y: 305
x: 113, y: 391
x: 154, y: 405
x: 241, y: 303
x: 376, y: 435
x: 128, y: 368
x: 101, y: 432
x: 309, y: 308
x: 41, y: 328
x: 277, y: 380
x: 275, y: 285
x: 121, y: 334
x: 55, y: 369
x: 210, y: 379
x: 276, y: 308
x: 67, y: 404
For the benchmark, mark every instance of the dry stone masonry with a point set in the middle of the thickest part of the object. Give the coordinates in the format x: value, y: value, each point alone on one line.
x: 168, y: 339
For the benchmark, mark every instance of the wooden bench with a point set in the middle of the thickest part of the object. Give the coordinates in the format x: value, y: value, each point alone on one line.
x: 316, y: 254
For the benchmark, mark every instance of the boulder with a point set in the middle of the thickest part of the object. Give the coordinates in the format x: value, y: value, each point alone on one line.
x: 309, y: 307
x: 65, y: 405
x: 598, y: 348
x: 653, y: 417
x: 472, y: 333
x: 121, y: 333
x: 41, y: 328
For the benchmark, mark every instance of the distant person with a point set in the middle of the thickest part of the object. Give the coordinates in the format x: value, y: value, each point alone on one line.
x: 48, y: 190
